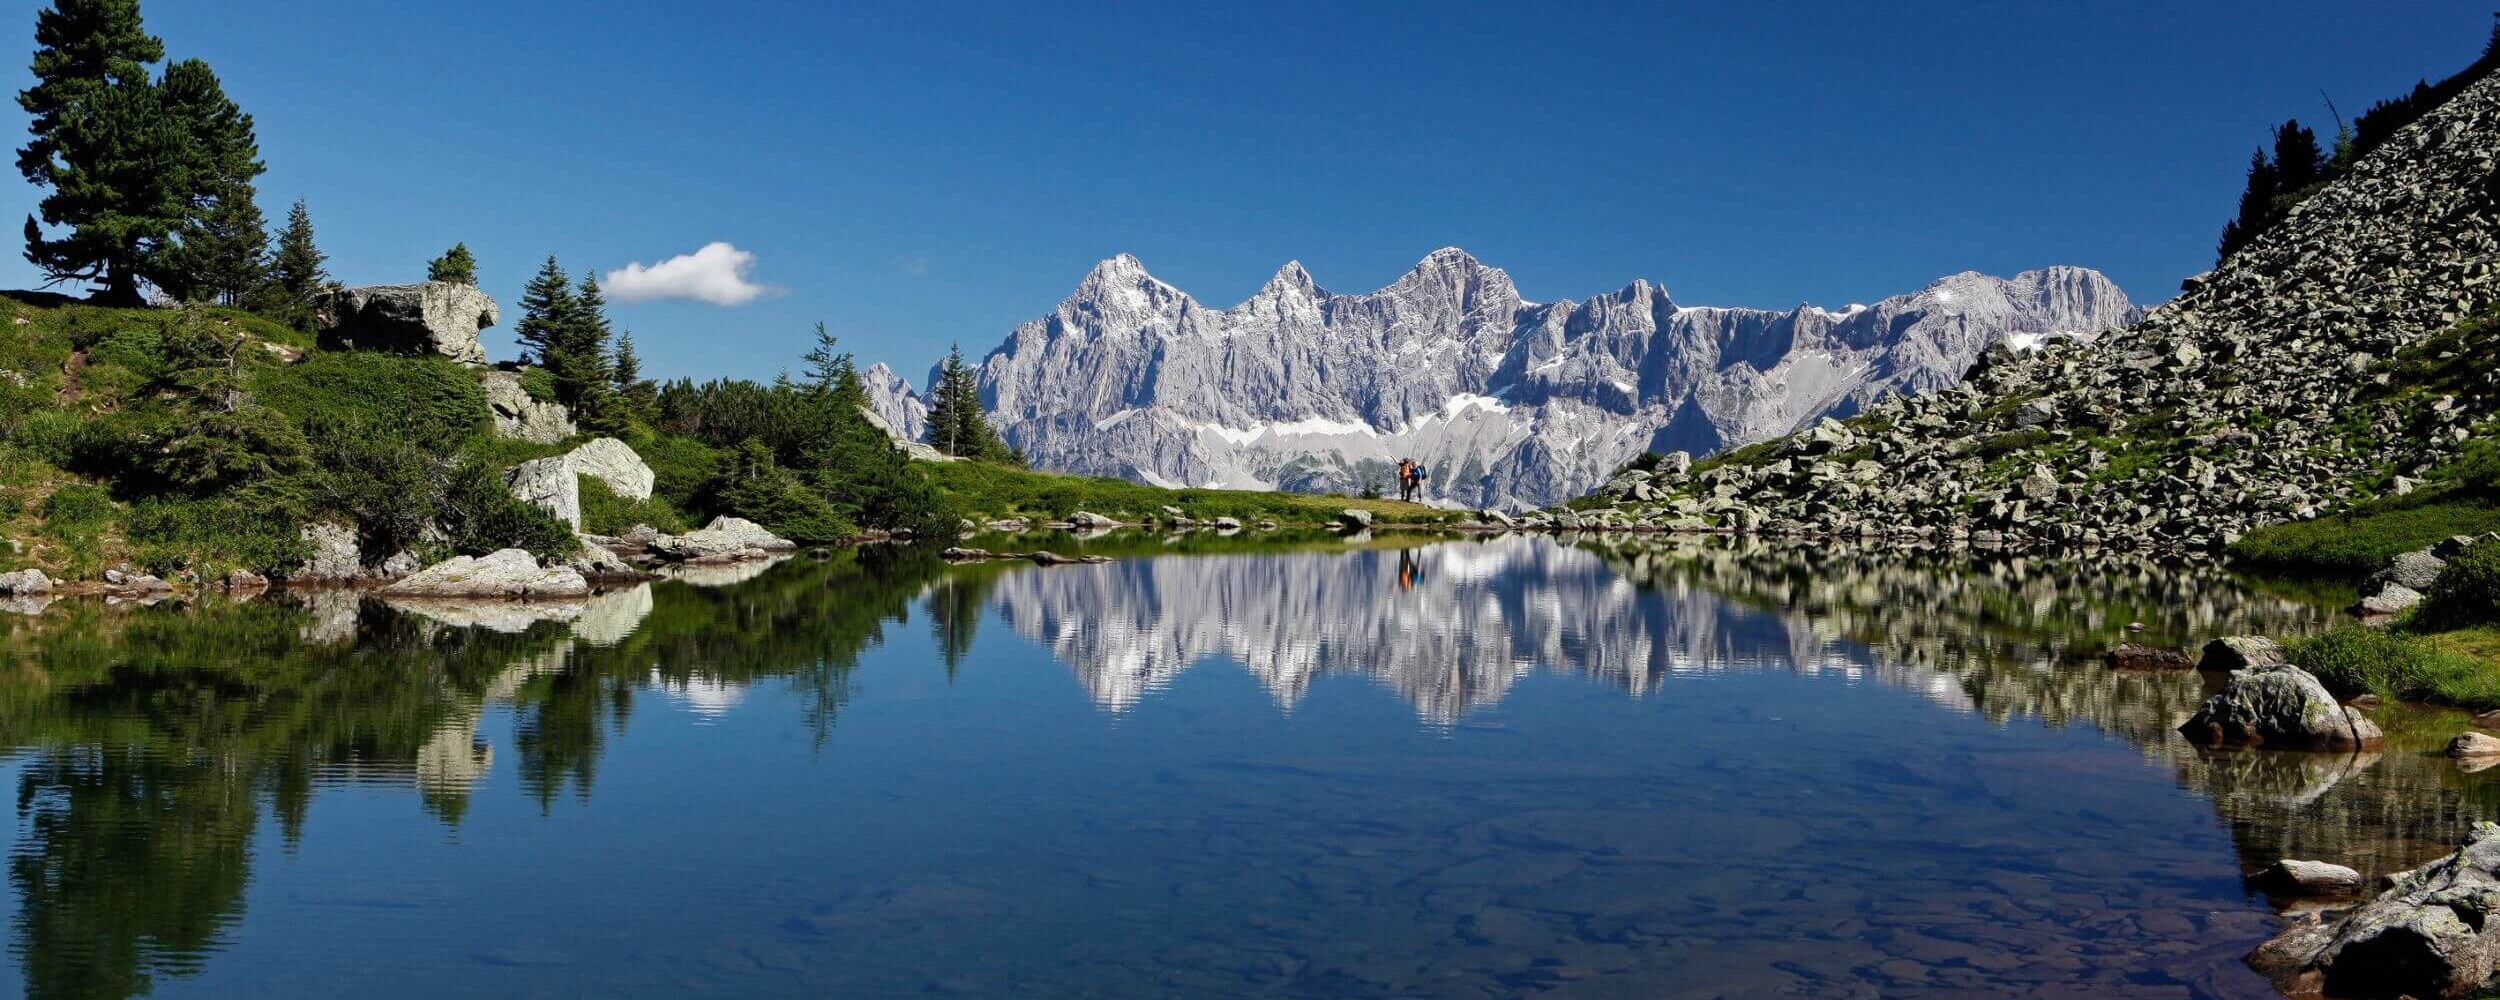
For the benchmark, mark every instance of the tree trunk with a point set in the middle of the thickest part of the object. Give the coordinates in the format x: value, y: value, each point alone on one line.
x: 121, y: 288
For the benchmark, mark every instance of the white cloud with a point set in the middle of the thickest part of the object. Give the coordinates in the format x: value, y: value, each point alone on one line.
x: 716, y: 274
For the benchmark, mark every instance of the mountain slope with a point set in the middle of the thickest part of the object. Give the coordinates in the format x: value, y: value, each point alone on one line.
x: 2288, y: 382
x: 1508, y: 402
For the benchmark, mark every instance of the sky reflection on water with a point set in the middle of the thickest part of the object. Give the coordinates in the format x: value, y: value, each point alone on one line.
x: 1479, y: 768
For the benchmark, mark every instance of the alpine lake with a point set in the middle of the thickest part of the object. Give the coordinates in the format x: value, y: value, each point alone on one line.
x: 1274, y: 766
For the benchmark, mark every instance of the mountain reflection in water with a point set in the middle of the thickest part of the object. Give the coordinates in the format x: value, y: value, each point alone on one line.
x: 151, y: 746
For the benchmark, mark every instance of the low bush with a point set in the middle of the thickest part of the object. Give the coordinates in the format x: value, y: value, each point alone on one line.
x: 79, y: 516
x: 250, y: 530
x: 605, y: 513
x: 480, y: 515
x: 433, y: 401
x: 2467, y: 593
x: 2355, y: 658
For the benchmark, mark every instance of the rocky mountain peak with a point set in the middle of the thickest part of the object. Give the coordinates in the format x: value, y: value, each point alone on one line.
x: 1292, y: 280
x: 1510, y: 403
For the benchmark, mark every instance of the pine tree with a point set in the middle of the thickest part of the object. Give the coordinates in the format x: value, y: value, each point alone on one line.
x: 295, y: 270
x: 455, y: 266
x: 639, y: 396
x: 585, y: 349
x: 957, y: 425
x: 224, y: 256
x: 2298, y: 162
x: 585, y: 376
x: 945, y: 421
x: 103, y: 145
x: 2256, y: 205
x: 546, y: 308
x: 826, y: 361
x: 219, y: 248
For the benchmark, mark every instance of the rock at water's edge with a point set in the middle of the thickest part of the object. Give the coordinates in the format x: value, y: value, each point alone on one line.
x: 509, y: 573
x: 2430, y: 935
x: 2282, y: 707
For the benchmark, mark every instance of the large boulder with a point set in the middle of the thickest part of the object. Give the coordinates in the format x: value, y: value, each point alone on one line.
x: 553, y: 482
x: 1355, y: 519
x: 2431, y: 935
x: 508, y: 573
x: 433, y: 317
x: 330, y: 554
x: 2240, y: 652
x: 614, y: 463
x: 24, y: 582
x: 519, y: 415
x: 2415, y: 570
x: 726, y: 539
x: 549, y: 483
x: 2280, y: 707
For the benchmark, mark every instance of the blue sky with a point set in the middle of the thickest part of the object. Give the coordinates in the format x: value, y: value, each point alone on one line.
x: 936, y: 172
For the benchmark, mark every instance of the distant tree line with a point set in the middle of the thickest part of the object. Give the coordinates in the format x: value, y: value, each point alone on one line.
x: 2296, y: 166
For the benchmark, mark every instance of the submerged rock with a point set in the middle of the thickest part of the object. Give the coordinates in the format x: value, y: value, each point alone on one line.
x: 2292, y: 877
x: 2132, y: 656
x: 433, y: 317
x: 2430, y: 936
x: 508, y: 573
x: 2283, y: 707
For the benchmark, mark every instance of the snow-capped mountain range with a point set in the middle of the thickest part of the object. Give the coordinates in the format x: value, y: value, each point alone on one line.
x: 1508, y: 402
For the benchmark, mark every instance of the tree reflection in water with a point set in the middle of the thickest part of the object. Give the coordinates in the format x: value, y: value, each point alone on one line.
x: 146, y: 742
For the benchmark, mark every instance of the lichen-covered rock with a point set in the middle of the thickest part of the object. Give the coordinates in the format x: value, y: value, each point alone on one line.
x: 432, y: 317
x: 1355, y: 519
x: 2431, y: 935
x: 331, y: 554
x: 1085, y: 519
x: 2282, y: 707
x: 2415, y: 570
x: 726, y: 539
x: 2391, y: 599
x: 518, y: 415
x: 507, y: 573
x: 2240, y: 652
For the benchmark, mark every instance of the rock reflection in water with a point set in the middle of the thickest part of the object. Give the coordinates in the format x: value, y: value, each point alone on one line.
x: 1737, y: 802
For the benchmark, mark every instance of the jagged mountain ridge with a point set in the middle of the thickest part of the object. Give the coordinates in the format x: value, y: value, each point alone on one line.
x: 1510, y: 402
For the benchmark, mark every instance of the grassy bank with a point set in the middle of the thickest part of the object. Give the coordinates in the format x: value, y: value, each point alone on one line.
x: 985, y: 490
x: 2445, y: 650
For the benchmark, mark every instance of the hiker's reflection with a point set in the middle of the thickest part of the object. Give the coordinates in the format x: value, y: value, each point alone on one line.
x: 1410, y: 569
